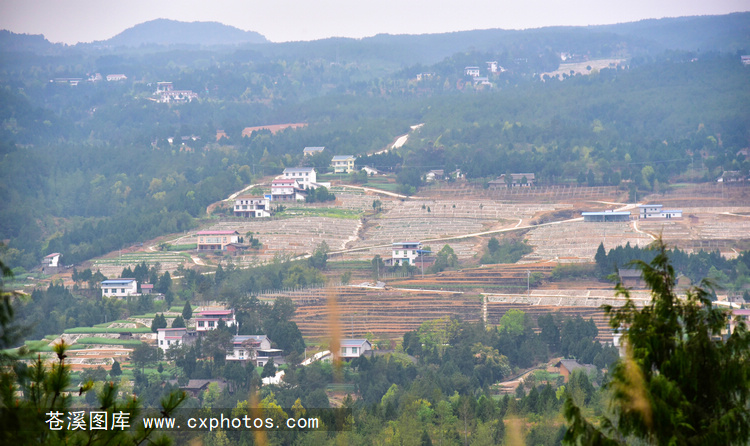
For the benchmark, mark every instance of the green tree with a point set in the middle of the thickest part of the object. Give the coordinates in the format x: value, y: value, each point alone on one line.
x: 512, y: 322
x: 178, y: 322
x: 682, y: 381
x: 269, y: 369
x: 159, y: 322
x: 143, y: 355
x: 319, y: 257
x: 116, y: 369
x: 446, y: 258
x: 187, y: 311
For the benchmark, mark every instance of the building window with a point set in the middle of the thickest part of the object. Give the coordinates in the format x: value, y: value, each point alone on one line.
x: 161, y: 342
x: 355, y: 350
x: 210, y: 324
x: 200, y: 323
x: 122, y: 290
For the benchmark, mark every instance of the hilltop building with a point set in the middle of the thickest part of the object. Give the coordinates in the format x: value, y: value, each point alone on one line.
x: 307, y: 151
x: 472, y: 71
x: 51, y: 263
x: 166, y: 93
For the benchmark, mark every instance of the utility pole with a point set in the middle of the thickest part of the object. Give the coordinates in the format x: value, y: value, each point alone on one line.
x: 528, y: 284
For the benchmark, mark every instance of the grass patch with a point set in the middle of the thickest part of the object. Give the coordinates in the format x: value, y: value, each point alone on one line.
x: 349, y: 265
x: 348, y: 214
x: 107, y: 341
x: 85, y: 330
x: 390, y: 187
x: 38, y: 346
x: 107, y: 324
x: 184, y: 247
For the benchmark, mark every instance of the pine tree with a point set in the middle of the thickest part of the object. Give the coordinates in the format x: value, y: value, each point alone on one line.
x: 269, y: 370
x: 187, y: 311
x: 682, y: 381
x: 178, y: 322
x: 116, y: 369
x: 601, y: 260
x: 159, y: 322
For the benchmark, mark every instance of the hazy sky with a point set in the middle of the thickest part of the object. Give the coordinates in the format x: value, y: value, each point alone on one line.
x: 72, y: 21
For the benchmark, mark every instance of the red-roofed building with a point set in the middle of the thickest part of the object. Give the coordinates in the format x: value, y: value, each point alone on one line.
x: 286, y: 189
x: 209, y: 319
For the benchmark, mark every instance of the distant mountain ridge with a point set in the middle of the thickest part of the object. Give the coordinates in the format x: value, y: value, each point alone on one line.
x: 722, y: 33
x: 172, y: 32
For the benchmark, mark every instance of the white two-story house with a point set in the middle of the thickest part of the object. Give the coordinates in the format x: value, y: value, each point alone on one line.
x: 283, y: 189
x: 209, y: 319
x: 306, y: 177
x: 405, y: 252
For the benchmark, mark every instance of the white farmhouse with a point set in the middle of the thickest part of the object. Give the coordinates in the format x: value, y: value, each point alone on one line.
x: 405, y: 252
x: 119, y: 287
x: 305, y: 176
x: 209, y: 319
x: 283, y: 189
x: 167, y: 338
x: 651, y: 211
x: 354, y: 348
x: 251, y: 206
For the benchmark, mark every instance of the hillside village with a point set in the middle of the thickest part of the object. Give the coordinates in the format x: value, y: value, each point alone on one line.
x: 435, y: 234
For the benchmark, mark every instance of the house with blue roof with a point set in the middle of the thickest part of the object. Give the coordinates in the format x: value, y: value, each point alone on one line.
x: 122, y: 287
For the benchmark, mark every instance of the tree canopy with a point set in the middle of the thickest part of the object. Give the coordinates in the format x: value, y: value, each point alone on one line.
x: 683, y: 380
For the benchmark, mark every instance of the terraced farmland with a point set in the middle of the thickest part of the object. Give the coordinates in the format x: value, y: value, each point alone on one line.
x: 489, y: 277
x: 384, y: 312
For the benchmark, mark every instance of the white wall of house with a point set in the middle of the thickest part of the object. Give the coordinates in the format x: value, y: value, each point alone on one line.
x: 119, y: 287
x: 405, y: 252
x: 305, y: 176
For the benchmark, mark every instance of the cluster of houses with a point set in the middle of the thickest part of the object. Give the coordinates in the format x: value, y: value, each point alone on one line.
x: 645, y: 212
x: 96, y: 77
x: 255, y: 349
x: 477, y: 78
x: 165, y: 93
x: 246, y: 348
x: 293, y: 185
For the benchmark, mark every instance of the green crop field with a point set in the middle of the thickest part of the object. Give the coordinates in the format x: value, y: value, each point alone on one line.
x: 107, y: 341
